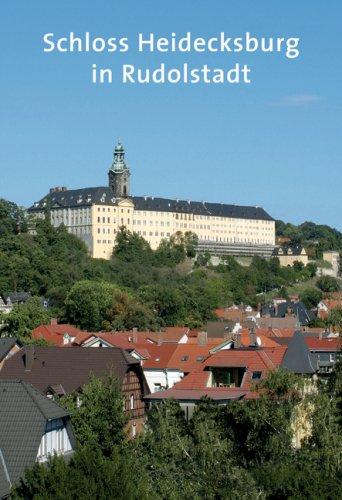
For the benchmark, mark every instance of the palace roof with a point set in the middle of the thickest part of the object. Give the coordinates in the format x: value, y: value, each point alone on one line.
x: 86, y: 197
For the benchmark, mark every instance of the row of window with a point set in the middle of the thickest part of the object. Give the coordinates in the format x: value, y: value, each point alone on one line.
x: 122, y: 210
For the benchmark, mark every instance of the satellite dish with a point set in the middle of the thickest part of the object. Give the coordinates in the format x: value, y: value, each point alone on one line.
x: 258, y: 339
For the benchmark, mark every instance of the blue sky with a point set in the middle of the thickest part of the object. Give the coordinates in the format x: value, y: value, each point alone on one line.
x: 276, y: 143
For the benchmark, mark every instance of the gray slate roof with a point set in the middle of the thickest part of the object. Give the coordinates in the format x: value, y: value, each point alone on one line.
x: 304, y: 315
x: 6, y: 344
x: 19, y: 297
x: 103, y: 195
x: 288, y: 250
x: 298, y: 358
x: 68, y: 368
x: 23, y: 415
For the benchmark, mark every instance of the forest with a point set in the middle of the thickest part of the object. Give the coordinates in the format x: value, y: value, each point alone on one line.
x: 240, y: 451
x: 138, y: 287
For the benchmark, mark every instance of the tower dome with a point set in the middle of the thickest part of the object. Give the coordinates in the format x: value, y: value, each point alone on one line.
x: 119, y: 173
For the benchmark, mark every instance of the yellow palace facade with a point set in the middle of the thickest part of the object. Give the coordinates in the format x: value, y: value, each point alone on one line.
x: 96, y: 214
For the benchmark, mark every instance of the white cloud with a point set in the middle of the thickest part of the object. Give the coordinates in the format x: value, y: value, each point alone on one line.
x: 296, y: 101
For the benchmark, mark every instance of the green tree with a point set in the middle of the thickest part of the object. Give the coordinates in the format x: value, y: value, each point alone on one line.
x: 12, y: 218
x: 167, y: 303
x: 334, y: 318
x: 215, y: 470
x: 328, y: 284
x: 165, y: 448
x: 130, y: 247
x: 24, y: 318
x: 311, y: 297
x: 261, y: 428
x: 88, y: 302
x: 97, y: 414
x: 88, y: 475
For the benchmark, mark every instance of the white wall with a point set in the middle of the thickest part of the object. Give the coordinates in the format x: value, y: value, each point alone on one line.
x: 168, y: 379
x: 54, y: 440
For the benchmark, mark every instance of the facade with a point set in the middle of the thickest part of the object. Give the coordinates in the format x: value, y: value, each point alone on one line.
x: 226, y: 375
x: 288, y: 255
x: 333, y: 260
x: 289, y: 309
x: 96, y: 214
x: 32, y: 427
x: 56, y: 372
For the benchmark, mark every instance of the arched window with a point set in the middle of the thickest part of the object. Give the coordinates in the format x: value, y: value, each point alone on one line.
x: 131, y: 402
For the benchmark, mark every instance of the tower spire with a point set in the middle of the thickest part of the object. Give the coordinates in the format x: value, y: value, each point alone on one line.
x: 119, y: 173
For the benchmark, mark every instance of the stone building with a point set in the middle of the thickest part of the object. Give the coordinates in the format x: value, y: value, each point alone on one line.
x: 96, y: 214
x: 288, y: 255
x: 332, y: 258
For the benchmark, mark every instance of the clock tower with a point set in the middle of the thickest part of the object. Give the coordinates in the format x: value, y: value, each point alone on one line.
x: 119, y: 174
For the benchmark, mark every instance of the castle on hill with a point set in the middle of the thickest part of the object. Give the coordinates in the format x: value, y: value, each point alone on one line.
x: 96, y: 214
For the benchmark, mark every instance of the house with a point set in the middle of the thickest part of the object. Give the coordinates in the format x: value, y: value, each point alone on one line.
x: 332, y: 264
x: 325, y: 306
x: 18, y: 297
x: 319, y: 352
x: 8, y: 347
x: 164, y: 360
x: 61, y: 335
x: 289, y: 309
x: 224, y: 376
x: 288, y: 255
x: 5, y: 307
x: 56, y: 372
x: 32, y: 427
x: 298, y: 358
x: 65, y: 335
x: 235, y: 313
x: 278, y: 323
x: 325, y: 353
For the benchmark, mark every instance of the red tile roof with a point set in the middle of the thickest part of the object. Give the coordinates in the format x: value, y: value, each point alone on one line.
x: 54, y: 333
x: 187, y: 357
x: 253, y: 360
x: 275, y: 332
x: 194, y: 380
x: 215, y: 393
x: 159, y: 356
x: 326, y: 344
x: 332, y: 303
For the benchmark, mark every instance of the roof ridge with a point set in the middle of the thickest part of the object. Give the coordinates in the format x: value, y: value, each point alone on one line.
x: 32, y: 392
x: 266, y: 359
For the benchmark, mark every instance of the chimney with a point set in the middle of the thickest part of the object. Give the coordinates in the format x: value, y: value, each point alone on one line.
x: 53, y: 321
x: 227, y: 335
x: 160, y: 336
x: 135, y: 335
x: 237, y: 340
x: 252, y: 338
x: 202, y: 338
x: 29, y: 358
x: 289, y: 311
x: 320, y: 336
